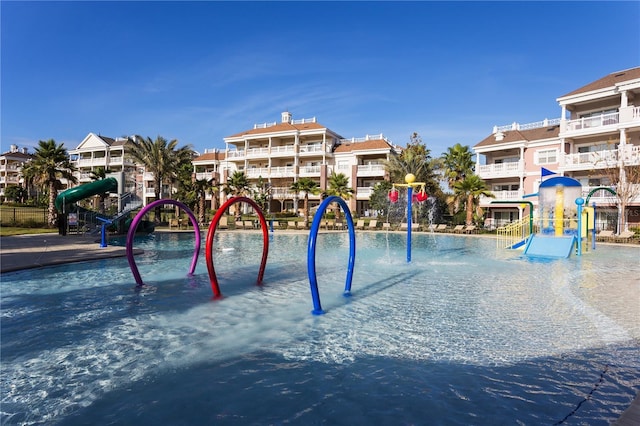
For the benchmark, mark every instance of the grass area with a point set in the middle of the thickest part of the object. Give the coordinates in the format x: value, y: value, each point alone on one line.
x: 7, y: 231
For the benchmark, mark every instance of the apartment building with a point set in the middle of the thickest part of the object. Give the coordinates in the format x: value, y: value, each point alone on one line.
x: 598, y: 131
x: 211, y: 166
x: 11, y: 163
x: 282, y: 152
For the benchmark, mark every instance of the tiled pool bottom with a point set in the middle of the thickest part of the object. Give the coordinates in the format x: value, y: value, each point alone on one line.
x: 464, y: 334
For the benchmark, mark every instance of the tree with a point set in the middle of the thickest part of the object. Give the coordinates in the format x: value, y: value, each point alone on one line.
x: 306, y: 185
x: 100, y: 173
x: 237, y: 186
x: 379, y: 199
x: 15, y: 193
x: 415, y: 159
x: 457, y: 164
x: 262, y: 194
x: 472, y: 187
x: 162, y: 158
x: 200, y: 188
x: 625, y: 181
x: 339, y: 186
x: 49, y: 165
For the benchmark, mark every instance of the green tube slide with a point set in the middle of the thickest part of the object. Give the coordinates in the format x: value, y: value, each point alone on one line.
x: 86, y: 190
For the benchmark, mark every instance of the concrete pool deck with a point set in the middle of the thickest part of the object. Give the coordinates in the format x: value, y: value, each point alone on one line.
x: 37, y: 250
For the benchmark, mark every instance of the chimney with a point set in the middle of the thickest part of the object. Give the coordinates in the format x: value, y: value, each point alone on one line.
x: 286, y: 117
x: 499, y: 136
x: 25, y: 150
x: 14, y: 148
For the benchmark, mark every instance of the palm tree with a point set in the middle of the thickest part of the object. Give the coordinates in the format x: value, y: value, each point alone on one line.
x: 415, y: 159
x: 339, y: 186
x: 200, y: 188
x: 100, y: 173
x: 457, y: 164
x: 160, y: 157
x: 472, y: 188
x: 50, y: 163
x: 306, y: 185
x: 237, y: 186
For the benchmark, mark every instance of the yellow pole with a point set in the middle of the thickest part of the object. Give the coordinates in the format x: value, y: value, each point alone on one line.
x: 558, y: 217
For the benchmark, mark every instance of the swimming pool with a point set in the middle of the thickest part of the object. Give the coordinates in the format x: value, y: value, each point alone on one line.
x: 464, y: 334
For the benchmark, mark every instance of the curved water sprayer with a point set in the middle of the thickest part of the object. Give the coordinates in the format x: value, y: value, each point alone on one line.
x: 311, y: 253
x: 134, y: 226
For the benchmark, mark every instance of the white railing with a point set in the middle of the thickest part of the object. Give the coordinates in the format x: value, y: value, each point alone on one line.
x: 379, y: 136
x: 257, y: 172
x: 528, y: 126
x: 371, y: 168
x: 500, y: 169
x: 264, y: 125
x: 311, y: 148
x: 304, y: 120
x: 605, y: 158
x: 285, y: 149
x: 310, y: 170
x: 595, y: 121
x: 235, y: 154
x: 284, y: 171
x: 10, y: 179
x: 258, y: 152
x: 282, y: 192
x: 364, y: 191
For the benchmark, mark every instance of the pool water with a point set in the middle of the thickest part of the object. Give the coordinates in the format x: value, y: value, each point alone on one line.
x: 464, y: 334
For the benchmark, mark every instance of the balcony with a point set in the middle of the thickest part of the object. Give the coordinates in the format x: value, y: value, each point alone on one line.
x: 626, y: 117
x: 258, y: 153
x: 310, y: 171
x: 371, y: 170
x: 497, y: 170
x: 284, y: 171
x: 502, y: 196
x: 313, y: 149
x: 629, y: 154
x: 364, y: 192
x: 236, y: 155
x: 257, y: 172
x: 283, y: 151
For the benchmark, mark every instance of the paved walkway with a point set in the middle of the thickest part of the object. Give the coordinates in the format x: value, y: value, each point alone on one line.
x: 33, y: 251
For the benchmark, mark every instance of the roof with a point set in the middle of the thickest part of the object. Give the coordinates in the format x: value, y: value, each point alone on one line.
x: 511, y: 136
x: 610, y: 80
x: 278, y: 128
x: 211, y: 156
x: 361, y: 146
x: 16, y: 155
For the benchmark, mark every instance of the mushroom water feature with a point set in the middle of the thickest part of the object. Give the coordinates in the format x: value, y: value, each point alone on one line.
x: 420, y: 197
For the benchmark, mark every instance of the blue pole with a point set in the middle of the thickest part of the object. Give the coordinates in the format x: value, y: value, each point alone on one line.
x: 593, y: 230
x: 579, y: 202
x: 409, y: 221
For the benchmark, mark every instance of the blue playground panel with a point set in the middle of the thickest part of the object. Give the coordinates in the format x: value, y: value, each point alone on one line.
x: 553, y: 247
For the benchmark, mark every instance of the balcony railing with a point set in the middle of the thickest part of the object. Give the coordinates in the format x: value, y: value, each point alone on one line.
x: 502, y: 196
x: 235, y: 154
x: 311, y: 149
x: 371, y: 170
x: 282, y: 150
x: 364, y: 192
x: 258, y: 152
x: 591, y: 122
x: 310, y: 170
x: 500, y: 169
x: 257, y: 172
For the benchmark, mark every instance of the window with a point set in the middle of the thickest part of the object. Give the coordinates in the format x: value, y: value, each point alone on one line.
x: 546, y: 156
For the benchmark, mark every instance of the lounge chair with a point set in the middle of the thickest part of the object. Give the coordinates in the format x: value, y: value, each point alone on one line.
x: 360, y: 224
x: 174, y: 223
x: 458, y: 229
x: 373, y: 224
x: 248, y: 224
x: 239, y: 224
x: 604, y: 235
x: 386, y: 226
x: 624, y: 237
x: 328, y: 224
x: 469, y: 229
x: 338, y: 225
x: 291, y: 224
x: 441, y: 227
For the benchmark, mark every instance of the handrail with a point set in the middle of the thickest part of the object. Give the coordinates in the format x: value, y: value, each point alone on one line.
x: 311, y: 252
x: 212, y: 230
x: 134, y: 225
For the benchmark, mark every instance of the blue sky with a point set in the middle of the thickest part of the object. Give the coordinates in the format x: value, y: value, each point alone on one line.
x: 201, y: 71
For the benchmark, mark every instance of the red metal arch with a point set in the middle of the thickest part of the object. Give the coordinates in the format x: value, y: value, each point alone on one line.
x: 212, y: 230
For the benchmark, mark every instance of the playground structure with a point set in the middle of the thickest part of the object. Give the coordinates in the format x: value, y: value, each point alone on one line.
x: 564, y: 221
x: 421, y: 196
x: 69, y: 214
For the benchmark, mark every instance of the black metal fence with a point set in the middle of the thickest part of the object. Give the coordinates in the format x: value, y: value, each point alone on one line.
x: 29, y: 217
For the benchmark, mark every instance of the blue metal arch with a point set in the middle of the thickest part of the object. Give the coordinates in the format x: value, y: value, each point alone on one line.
x: 311, y: 253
